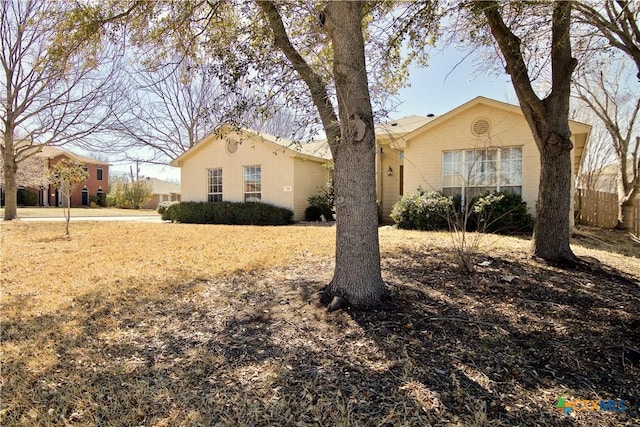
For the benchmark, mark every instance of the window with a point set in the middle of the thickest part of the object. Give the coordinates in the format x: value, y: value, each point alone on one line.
x: 252, y: 183
x: 469, y: 173
x: 511, y: 170
x: 99, y: 174
x: 214, y: 192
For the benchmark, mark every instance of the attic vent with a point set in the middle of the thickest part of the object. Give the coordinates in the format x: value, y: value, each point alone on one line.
x: 232, y: 147
x: 480, y: 127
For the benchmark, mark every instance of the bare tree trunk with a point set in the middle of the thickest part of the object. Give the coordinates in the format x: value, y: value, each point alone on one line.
x: 626, y: 210
x: 357, y: 277
x: 554, y: 201
x: 10, y: 168
x: 67, y: 214
x: 626, y: 205
x: 548, y: 119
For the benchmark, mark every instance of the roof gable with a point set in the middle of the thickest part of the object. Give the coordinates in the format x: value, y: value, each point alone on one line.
x: 316, y: 151
x: 481, y: 100
x: 50, y: 152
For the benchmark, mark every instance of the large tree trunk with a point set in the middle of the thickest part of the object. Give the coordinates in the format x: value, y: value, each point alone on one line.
x: 552, y: 229
x: 548, y: 119
x: 626, y: 209
x: 628, y: 190
x: 10, y: 169
x: 357, y: 278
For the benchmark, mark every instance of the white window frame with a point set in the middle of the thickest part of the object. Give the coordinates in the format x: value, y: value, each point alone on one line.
x: 498, y: 170
x: 214, y: 185
x: 252, y: 183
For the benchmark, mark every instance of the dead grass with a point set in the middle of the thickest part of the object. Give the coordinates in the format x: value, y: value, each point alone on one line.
x: 170, y: 324
x: 53, y: 212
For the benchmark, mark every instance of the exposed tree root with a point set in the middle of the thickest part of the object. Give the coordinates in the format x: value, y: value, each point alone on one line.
x: 337, y: 300
x: 574, y: 262
x: 335, y: 303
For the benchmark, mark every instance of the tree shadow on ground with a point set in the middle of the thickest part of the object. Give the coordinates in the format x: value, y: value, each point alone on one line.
x: 257, y: 349
x: 516, y: 336
x: 610, y: 240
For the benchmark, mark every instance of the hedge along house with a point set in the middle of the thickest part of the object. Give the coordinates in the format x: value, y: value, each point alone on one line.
x: 241, y: 165
x: 483, y: 145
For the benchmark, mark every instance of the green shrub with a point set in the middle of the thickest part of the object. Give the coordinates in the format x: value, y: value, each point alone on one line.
x: 319, y: 205
x: 129, y: 195
x: 501, y: 213
x: 27, y: 197
x: 96, y: 200
x: 101, y: 199
x: 423, y: 211
x: 249, y: 213
x: 162, y: 210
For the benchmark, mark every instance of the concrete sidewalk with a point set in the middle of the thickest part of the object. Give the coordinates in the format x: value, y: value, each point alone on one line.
x: 136, y: 218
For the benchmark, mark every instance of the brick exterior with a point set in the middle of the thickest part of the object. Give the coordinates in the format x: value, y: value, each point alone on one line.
x: 93, y: 184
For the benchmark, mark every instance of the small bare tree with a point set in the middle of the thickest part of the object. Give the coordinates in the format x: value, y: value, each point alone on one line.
x: 66, y: 176
x: 610, y: 96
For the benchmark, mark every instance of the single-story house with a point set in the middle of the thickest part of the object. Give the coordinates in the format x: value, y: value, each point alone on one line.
x: 242, y: 165
x: 482, y: 145
x: 161, y: 191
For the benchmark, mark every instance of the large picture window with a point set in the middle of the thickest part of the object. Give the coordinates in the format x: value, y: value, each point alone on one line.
x: 469, y: 173
x: 214, y: 192
x: 252, y: 183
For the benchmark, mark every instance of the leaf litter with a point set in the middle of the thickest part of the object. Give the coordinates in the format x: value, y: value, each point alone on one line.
x: 198, y: 327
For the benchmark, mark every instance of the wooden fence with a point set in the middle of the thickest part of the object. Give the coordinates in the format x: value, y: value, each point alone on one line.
x: 600, y: 209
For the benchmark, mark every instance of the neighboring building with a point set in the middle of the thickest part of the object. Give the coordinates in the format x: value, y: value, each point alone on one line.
x: 482, y: 145
x: 162, y: 191
x: 604, y: 179
x: 97, y: 185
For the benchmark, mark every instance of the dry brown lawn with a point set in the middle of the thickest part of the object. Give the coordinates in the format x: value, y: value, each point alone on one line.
x: 131, y: 324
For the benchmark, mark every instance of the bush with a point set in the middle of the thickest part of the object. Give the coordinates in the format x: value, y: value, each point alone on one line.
x: 234, y: 213
x: 319, y: 205
x: 423, y: 211
x: 129, y: 195
x: 98, y: 200
x: 501, y: 213
x: 162, y: 209
x: 27, y: 197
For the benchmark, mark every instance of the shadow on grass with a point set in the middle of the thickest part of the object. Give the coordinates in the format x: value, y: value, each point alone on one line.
x: 610, y: 240
x: 257, y: 349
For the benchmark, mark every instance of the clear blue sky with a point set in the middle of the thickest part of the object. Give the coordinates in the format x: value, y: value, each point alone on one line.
x: 444, y: 85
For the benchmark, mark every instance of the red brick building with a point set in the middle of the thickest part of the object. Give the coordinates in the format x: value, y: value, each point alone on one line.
x: 96, y: 186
